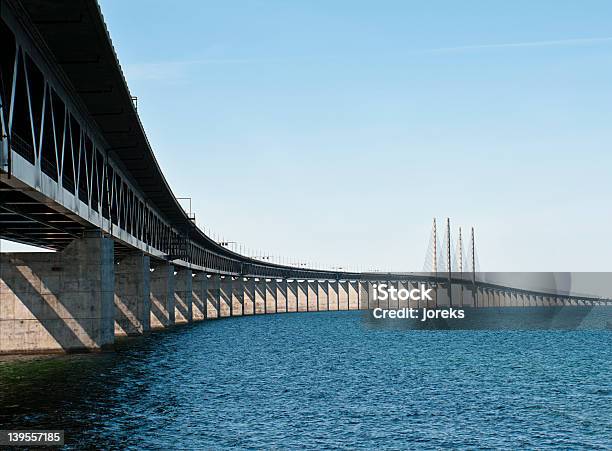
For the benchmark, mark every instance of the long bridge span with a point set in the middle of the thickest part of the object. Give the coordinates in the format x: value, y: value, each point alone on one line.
x: 78, y: 176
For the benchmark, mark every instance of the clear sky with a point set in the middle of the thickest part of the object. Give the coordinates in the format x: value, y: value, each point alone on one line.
x: 336, y: 130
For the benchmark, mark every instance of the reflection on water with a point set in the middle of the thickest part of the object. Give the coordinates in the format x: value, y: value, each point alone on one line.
x: 321, y: 380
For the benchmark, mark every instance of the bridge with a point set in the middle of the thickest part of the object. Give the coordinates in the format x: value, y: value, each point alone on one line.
x: 79, y: 177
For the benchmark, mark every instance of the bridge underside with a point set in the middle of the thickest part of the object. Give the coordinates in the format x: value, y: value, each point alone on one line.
x: 26, y: 220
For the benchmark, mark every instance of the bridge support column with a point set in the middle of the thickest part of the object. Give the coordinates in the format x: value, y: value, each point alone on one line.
x: 488, y: 302
x: 539, y: 301
x: 248, y: 297
x: 353, y: 295
x: 225, y: 306
x: 394, y: 303
x: 292, y: 295
x: 302, y: 295
x: 132, y: 295
x: 162, y: 296
x: 456, y: 294
x: 436, y: 290
x: 322, y: 295
x: 333, y: 288
x: 413, y: 303
x: 58, y: 302
x: 343, y: 295
x: 199, y: 296
x: 271, y: 296
x: 183, y: 304
x: 213, y: 306
x: 312, y: 295
x: 364, y: 295
x: 499, y: 298
x: 479, y: 297
x: 281, y: 295
x: 443, y: 294
x: 260, y: 296
x: 482, y: 296
x: 470, y: 295
x: 238, y: 297
x: 402, y: 303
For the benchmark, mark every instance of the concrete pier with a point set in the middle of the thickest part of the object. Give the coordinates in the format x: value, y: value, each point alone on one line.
x: 271, y: 296
x: 58, y: 302
x: 238, y: 296
x: 260, y: 296
x: 364, y: 295
x: 302, y: 295
x: 199, y: 296
x: 353, y: 295
x: 402, y: 303
x: 132, y: 295
x: 343, y: 295
x: 292, y: 296
x: 332, y: 293
x: 162, y: 296
x: 183, y: 289
x: 214, y: 296
x: 322, y: 295
x: 312, y: 288
x: 249, y: 296
x: 225, y: 308
x: 281, y: 295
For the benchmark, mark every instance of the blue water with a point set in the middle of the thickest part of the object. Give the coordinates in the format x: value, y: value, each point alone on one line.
x: 321, y: 380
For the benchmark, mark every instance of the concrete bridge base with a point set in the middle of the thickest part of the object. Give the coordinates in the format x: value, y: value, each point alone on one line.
x: 162, y: 296
x: 81, y: 299
x: 132, y: 295
x: 58, y: 302
x: 183, y: 291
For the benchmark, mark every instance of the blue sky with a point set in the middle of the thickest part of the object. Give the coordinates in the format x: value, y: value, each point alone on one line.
x: 335, y: 130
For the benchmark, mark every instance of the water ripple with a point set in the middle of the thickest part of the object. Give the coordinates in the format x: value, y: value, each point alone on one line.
x: 321, y: 380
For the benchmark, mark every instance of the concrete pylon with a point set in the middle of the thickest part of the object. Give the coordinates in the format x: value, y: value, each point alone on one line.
x: 271, y: 296
x: 162, y: 295
x: 238, y: 296
x: 292, y: 295
x: 281, y: 296
x: 353, y: 295
x: 249, y: 296
x: 199, y: 296
x: 393, y: 303
x: 322, y: 295
x: 58, y: 301
x: 214, y: 296
x: 402, y: 285
x: 413, y: 303
x: 132, y: 295
x: 332, y: 294
x: 225, y: 308
x: 260, y: 296
x: 313, y: 295
x: 183, y: 287
x: 302, y: 295
x: 364, y: 295
x: 343, y: 295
